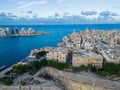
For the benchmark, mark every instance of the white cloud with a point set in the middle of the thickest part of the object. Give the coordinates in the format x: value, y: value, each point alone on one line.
x: 64, y: 3
x: 21, y: 3
x: 60, y: 2
x: 27, y: 5
x: 32, y: 3
x: 42, y: 2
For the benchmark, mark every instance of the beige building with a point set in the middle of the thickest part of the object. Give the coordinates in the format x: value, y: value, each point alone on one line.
x: 57, y: 54
x: 84, y: 57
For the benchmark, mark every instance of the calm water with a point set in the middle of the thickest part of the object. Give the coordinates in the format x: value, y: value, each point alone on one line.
x: 13, y: 49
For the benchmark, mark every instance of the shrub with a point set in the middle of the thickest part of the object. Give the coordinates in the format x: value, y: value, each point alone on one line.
x: 23, y: 83
x: 101, y: 73
x: 36, y: 65
x: 8, y: 73
x: 81, y: 68
x: 20, y: 69
x: 40, y: 54
x: 6, y: 81
x: 57, y: 65
x: 111, y: 68
x: 93, y: 69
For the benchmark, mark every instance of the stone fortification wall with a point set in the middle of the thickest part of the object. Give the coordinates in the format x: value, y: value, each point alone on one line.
x: 68, y: 81
x: 72, y: 81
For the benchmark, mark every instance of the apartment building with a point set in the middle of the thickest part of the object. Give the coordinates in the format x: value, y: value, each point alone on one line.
x: 85, y: 57
x: 58, y: 54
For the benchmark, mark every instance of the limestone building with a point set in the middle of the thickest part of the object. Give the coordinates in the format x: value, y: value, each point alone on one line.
x: 57, y: 54
x: 85, y: 57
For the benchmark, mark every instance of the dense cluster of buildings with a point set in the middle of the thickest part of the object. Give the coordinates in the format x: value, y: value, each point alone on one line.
x: 28, y: 31
x: 91, y: 47
x: 111, y: 53
x: 16, y: 32
x: 8, y: 31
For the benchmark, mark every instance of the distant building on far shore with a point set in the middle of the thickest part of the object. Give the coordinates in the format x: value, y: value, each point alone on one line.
x: 16, y: 32
x: 28, y: 31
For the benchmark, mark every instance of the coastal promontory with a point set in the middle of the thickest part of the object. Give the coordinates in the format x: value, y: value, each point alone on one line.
x: 5, y: 32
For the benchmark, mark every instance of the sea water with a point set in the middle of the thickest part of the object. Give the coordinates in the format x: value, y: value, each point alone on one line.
x: 14, y: 49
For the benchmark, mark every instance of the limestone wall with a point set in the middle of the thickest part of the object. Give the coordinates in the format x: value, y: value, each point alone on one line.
x: 72, y: 81
x: 69, y: 81
x: 28, y: 88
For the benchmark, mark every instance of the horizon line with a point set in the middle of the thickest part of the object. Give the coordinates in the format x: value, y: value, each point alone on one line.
x: 61, y: 24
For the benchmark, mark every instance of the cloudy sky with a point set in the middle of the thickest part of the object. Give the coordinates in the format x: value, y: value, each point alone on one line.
x: 59, y: 11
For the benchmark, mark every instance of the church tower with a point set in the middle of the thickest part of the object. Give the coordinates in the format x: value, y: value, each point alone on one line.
x: 87, y: 30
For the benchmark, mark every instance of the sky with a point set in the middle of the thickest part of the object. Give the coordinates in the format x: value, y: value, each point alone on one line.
x: 59, y: 11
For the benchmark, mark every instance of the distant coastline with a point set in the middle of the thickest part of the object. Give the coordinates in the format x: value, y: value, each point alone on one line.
x: 14, y: 32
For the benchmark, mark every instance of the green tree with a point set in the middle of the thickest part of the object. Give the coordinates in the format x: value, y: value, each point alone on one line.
x: 34, y: 66
x: 118, y: 72
x: 93, y: 69
x: 6, y: 81
x: 20, y: 69
x: 111, y: 68
x: 81, y: 68
x: 101, y: 73
x: 57, y: 65
x: 40, y: 54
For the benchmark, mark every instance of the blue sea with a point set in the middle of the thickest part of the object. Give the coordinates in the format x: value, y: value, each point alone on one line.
x: 14, y: 49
